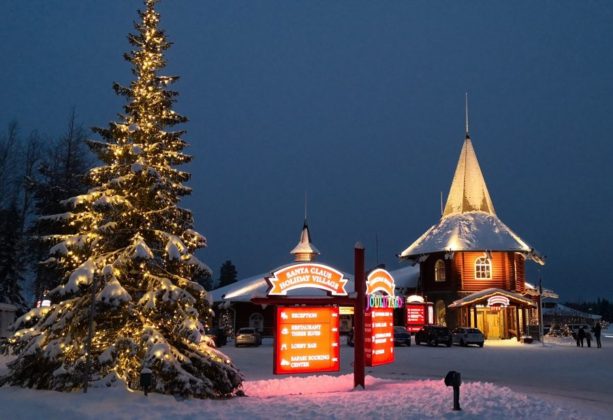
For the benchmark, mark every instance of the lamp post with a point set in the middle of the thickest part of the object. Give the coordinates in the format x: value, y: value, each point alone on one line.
x: 541, y: 329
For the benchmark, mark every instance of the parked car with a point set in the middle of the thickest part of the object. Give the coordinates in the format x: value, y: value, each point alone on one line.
x: 465, y: 336
x: 433, y: 335
x: 247, y: 336
x: 401, y: 336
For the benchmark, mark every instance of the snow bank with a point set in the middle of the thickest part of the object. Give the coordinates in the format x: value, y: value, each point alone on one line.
x: 321, y: 397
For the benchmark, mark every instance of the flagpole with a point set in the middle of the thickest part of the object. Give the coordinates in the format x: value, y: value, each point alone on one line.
x: 541, y: 329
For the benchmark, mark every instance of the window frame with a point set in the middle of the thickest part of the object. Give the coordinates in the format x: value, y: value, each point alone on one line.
x: 483, y: 268
x: 437, y: 278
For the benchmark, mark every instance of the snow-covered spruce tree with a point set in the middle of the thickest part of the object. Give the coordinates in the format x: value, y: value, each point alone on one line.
x: 134, y: 253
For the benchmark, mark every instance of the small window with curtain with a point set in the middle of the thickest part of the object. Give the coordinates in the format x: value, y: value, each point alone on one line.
x: 483, y: 268
x: 439, y: 271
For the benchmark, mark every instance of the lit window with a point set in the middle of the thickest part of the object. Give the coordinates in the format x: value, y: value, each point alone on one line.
x: 439, y: 270
x: 441, y: 313
x: 483, y: 268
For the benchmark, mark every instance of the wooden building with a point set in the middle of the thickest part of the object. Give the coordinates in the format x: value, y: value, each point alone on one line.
x: 235, y: 310
x: 233, y: 304
x: 472, y: 266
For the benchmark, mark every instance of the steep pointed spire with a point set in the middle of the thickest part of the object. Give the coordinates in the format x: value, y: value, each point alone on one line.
x: 305, y: 251
x: 468, y: 191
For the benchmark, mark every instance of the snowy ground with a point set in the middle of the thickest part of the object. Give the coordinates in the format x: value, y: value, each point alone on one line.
x: 502, y: 380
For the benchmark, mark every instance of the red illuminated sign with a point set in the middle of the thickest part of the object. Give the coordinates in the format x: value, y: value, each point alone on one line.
x: 379, y: 336
x: 307, y: 275
x: 307, y: 340
x: 417, y: 316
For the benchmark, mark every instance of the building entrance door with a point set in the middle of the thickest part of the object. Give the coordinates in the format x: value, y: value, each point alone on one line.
x: 490, y: 323
x: 493, y: 329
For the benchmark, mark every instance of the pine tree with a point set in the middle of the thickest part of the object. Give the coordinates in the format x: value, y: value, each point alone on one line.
x: 227, y: 274
x: 205, y: 279
x: 133, y: 254
x: 12, y: 265
x: 60, y: 177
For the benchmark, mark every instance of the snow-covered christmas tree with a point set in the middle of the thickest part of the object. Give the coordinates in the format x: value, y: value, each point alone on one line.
x: 132, y: 256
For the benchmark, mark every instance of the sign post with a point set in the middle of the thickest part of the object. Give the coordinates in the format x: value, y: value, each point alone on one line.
x: 307, y: 337
x: 358, y: 317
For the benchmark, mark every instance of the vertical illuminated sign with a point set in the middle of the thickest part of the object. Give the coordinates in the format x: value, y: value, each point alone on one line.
x: 379, y: 318
x: 379, y: 336
x: 307, y: 340
x: 416, y: 316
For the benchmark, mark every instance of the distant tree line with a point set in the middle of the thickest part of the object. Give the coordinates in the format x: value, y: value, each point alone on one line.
x: 599, y: 307
x: 227, y: 275
x: 37, y: 173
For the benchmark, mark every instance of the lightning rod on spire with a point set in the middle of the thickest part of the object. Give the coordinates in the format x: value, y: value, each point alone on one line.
x: 466, y: 111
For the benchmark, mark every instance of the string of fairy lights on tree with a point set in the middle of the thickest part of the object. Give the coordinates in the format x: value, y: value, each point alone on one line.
x: 135, y: 247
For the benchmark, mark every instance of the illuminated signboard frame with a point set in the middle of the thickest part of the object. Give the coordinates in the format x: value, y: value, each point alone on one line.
x: 380, y: 280
x: 307, y: 275
x: 379, y: 340
x: 379, y: 317
x: 416, y: 316
x: 292, y: 353
x: 498, y: 301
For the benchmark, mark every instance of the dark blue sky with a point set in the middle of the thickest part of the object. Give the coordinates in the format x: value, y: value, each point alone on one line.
x: 360, y: 103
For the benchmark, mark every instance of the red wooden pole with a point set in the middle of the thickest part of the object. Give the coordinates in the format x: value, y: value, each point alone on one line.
x: 358, y: 316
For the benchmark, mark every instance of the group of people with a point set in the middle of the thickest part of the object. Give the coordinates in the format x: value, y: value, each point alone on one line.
x: 584, y: 335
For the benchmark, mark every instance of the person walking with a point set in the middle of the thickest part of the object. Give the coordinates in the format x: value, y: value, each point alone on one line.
x: 576, y: 336
x: 588, y: 338
x: 597, y: 331
x: 581, y: 335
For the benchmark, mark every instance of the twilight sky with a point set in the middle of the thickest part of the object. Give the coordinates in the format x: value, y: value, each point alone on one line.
x: 359, y: 103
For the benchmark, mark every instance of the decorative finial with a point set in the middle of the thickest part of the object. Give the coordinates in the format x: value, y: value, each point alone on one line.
x: 466, y: 109
x: 305, y: 206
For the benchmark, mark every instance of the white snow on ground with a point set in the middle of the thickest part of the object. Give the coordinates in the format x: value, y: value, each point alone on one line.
x: 503, y: 380
x: 307, y: 397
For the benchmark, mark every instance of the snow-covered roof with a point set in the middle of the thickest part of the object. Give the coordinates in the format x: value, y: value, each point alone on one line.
x: 487, y: 293
x: 562, y: 310
x: 469, y: 222
x: 256, y: 286
x: 532, y: 290
x: 406, y: 277
x: 468, y: 191
x: 241, y: 290
x: 473, y: 231
x: 305, y: 247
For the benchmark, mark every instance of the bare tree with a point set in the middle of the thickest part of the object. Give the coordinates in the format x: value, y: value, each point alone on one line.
x: 8, y: 146
x: 32, y: 158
